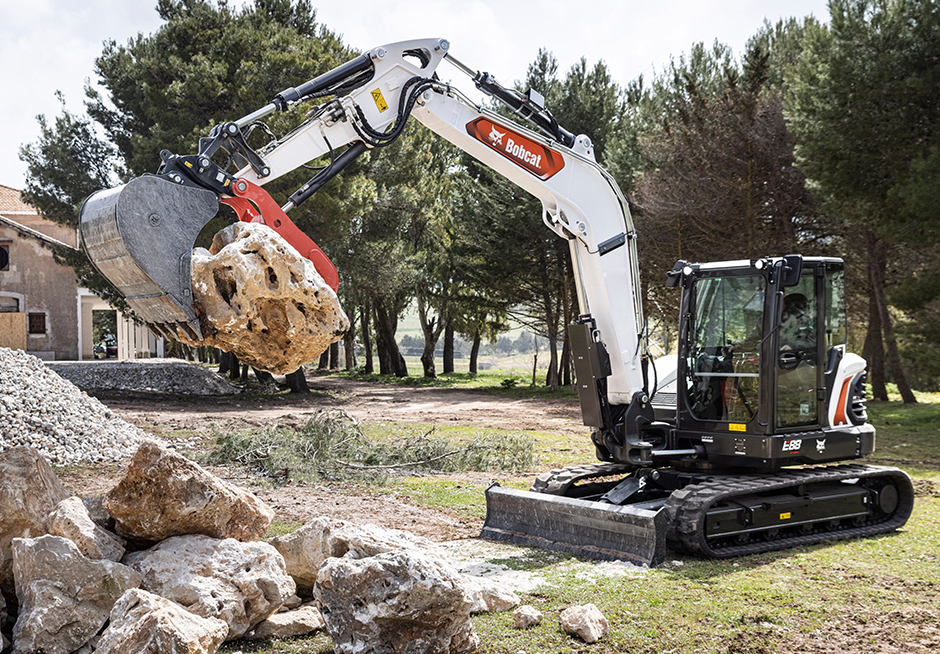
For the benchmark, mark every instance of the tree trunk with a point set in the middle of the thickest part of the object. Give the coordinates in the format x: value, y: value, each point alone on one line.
x: 349, y: 344
x: 448, y: 349
x: 364, y: 312
x: 475, y: 351
x: 551, y: 328
x: 878, y: 255
x: 225, y: 362
x: 535, y: 363
x: 324, y: 361
x: 874, y: 353
x: 244, y: 376
x: 264, y: 377
x: 431, y: 328
x: 389, y: 354
x: 334, y: 356
x: 297, y: 381
x: 564, y: 366
x: 234, y: 371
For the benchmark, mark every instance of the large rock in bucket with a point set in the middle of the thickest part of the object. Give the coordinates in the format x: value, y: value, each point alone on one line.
x: 258, y: 298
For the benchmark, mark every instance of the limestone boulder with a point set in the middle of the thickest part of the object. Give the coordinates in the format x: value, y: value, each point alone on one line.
x: 95, y: 508
x: 287, y: 624
x: 144, y: 622
x: 64, y: 597
x: 394, y: 602
x: 586, y: 621
x: 526, y: 616
x: 71, y: 520
x: 257, y: 297
x: 239, y: 583
x: 29, y: 490
x: 4, y: 643
x: 487, y: 595
x: 308, y: 548
x: 163, y: 494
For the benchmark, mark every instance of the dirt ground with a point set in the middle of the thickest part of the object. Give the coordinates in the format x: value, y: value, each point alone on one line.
x: 179, y: 417
x: 367, y: 402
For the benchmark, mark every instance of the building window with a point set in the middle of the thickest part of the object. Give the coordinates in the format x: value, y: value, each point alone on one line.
x: 37, y: 323
x: 9, y: 305
x: 4, y: 257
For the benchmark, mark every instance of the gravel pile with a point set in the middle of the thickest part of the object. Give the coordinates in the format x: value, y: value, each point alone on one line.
x: 145, y: 375
x: 40, y: 409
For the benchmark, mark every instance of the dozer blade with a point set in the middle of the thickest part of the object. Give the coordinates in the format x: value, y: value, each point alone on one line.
x: 565, y: 524
x: 140, y: 236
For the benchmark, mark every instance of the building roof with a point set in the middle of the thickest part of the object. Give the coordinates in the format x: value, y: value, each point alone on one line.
x: 11, y: 204
x: 32, y: 233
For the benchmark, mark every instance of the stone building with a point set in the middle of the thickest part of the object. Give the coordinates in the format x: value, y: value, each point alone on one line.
x: 43, y: 311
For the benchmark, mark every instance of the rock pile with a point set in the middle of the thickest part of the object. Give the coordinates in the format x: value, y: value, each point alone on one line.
x: 51, y: 415
x: 257, y: 297
x: 67, y: 585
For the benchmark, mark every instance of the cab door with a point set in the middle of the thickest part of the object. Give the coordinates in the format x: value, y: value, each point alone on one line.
x: 797, y: 354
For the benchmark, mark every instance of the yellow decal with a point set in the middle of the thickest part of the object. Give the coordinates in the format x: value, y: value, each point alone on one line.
x: 784, y: 516
x: 226, y: 182
x: 737, y: 426
x: 379, y: 100
x: 188, y: 165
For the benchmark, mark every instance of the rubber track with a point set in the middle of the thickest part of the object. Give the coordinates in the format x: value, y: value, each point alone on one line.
x: 557, y: 481
x: 687, y: 508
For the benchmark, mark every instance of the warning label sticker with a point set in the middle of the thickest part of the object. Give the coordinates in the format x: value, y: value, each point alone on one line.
x: 379, y: 100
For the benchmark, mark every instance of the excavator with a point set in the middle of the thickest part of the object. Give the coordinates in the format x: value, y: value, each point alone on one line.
x: 717, y: 451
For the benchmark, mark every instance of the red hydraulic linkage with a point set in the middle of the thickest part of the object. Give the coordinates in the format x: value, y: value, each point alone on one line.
x: 253, y: 205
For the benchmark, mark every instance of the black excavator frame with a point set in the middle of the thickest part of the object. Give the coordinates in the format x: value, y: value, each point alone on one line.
x: 709, y: 487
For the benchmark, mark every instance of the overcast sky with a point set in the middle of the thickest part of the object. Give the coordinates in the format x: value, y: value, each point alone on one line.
x: 50, y: 45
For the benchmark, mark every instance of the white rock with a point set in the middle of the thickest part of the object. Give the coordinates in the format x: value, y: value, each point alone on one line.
x: 298, y: 622
x: 526, y: 616
x: 307, y: 549
x: 64, y: 597
x: 394, y: 602
x: 71, y: 520
x: 29, y: 490
x: 487, y: 595
x: 240, y: 583
x: 586, y: 622
x: 143, y: 622
x: 164, y: 494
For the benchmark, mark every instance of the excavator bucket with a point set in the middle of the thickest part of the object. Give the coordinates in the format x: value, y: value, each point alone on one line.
x: 592, y: 529
x: 140, y: 236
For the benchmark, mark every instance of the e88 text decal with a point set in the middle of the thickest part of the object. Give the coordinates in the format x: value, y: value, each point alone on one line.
x: 792, y: 445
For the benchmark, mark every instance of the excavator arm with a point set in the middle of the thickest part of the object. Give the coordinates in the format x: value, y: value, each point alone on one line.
x: 372, y: 97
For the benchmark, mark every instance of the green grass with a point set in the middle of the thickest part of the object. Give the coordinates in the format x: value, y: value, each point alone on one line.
x: 908, y: 436
x: 489, y: 381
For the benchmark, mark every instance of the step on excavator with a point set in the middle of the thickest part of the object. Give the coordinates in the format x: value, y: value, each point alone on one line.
x: 718, y: 451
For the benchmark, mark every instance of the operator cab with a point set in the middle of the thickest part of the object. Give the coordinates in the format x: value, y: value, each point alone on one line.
x: 761, y: 351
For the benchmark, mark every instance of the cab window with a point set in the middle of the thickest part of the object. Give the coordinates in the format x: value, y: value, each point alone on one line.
x: 724, y: 353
